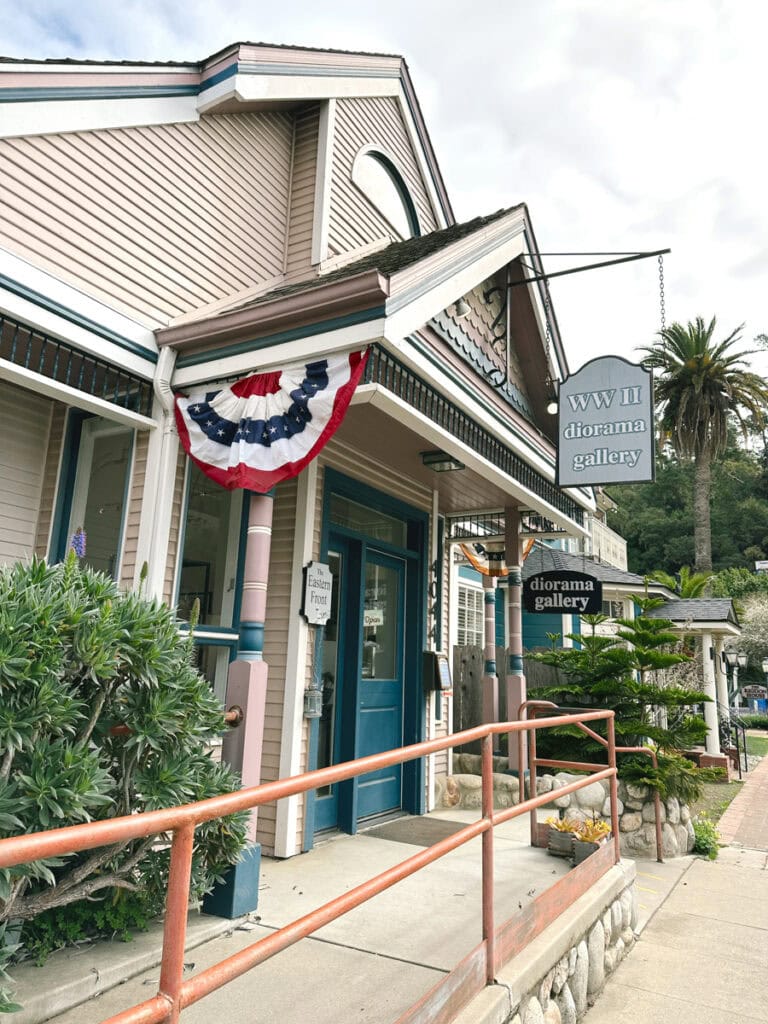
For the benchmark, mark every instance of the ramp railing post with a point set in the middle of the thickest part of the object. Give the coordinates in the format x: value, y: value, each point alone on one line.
x: 175, y: 927
x: 489, y: 927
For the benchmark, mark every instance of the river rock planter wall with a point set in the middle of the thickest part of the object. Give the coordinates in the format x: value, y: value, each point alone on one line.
x: 636, y: 806
x: 558, y: 986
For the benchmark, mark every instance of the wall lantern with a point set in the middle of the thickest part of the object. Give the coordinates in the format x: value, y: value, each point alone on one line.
x: 552, y: 399
x: 440, y: 462
x: 765, y: 666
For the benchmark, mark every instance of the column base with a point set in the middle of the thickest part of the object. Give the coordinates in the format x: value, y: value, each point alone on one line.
x: 238, y: 893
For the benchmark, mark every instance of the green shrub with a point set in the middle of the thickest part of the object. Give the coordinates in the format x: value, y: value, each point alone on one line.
x: 755, y: 721
x: 707, y: 837
x: 77, y: 657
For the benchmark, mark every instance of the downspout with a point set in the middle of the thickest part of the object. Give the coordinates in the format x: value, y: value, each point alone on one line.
x: 165, y: 480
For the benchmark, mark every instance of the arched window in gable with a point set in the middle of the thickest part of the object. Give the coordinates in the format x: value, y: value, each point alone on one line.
x: 376, y: 175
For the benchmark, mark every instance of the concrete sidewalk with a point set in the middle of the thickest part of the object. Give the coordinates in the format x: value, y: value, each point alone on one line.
x: 703, y: 959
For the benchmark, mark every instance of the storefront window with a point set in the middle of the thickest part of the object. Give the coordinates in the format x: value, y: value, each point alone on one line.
x: 209, y: 558
x: 471, y: 623
x: 99, y: 494
x: 376, y: 525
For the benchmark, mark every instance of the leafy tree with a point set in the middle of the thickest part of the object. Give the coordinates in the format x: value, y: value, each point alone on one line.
x: 657, y: 521
x: 701, y: 384
x: 78, y: 657
x: 684, y: 583
x: 625, y: 673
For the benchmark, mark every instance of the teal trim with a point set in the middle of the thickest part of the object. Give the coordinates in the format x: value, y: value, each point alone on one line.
x: 65, y: 485
x: 515, y: 664
x: 251, y: 646
x: 32, y: 94
x: 307, y: 331
x: 220, y: 76
x: 489, y: 596
x: 515, y: 577
x: 75, y: 318
x: 489, y: 667
x: 314, y: 71
x: 336, y: 483
x: 402, y: 190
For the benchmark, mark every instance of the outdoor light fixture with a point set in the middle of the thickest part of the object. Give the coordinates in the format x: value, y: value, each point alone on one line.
x: 552, y: 401
x: 765, y: 666
x: 440, y: 462
x: 461, y: 309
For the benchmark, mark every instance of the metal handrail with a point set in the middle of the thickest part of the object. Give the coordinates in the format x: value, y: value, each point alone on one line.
x: 175, y: 993
x: 610, y: 744
x: 731, y: 720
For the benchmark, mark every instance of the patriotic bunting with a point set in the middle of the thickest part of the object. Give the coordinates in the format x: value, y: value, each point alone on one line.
x: 267, y: 427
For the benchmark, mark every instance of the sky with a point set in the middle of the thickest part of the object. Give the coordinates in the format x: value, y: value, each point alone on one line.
x: 624, y: 125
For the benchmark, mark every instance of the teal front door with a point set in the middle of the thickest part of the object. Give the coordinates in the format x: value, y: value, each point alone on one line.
x: 380, y: 684
x: 363, y: 680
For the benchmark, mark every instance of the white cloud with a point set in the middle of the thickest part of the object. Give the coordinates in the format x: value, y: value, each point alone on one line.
x: 624, y: 126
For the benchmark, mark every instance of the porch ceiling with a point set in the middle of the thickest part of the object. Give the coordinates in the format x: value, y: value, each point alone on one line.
x: 372, y: 431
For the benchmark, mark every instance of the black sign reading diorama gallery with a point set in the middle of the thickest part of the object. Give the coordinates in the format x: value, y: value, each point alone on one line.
x: 563, y: 592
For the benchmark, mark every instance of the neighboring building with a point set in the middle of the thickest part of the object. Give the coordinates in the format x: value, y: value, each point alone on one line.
x: 175, y: 227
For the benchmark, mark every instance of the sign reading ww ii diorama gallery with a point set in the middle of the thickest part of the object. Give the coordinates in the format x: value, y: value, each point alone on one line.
x: 605, y: 424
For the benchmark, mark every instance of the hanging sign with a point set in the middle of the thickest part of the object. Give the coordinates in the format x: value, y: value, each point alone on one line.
x: 605, y: 424
x: 753, y: 692
x: 318, y: 590
x: 562, y: 592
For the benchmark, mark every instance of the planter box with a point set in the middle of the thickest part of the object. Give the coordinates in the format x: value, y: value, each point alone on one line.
x: 582, y: 849
x: 560, y: 844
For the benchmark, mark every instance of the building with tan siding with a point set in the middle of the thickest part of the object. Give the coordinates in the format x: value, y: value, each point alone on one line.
x: 169, y: 229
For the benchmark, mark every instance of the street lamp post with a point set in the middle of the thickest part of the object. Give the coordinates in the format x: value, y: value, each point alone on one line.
x: 735, y: 660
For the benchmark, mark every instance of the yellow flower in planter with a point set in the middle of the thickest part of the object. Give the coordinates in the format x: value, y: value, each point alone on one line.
x: 564, y: 824
x: 593, y: 830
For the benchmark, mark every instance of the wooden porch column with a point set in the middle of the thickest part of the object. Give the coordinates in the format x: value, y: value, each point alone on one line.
x: 710, y: 707
x: 516, y: 689
x: 247, y: 689
x: 490, y: 682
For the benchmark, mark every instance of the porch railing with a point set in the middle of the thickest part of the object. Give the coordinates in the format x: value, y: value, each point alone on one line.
x: 443, y: 1002
x: 531, y: 708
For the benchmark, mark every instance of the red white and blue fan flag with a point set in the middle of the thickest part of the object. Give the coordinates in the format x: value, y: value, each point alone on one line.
x: 267, y: 427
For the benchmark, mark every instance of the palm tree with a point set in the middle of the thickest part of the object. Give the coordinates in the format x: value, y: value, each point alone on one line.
x: 684, y: 583
x: 701, y: 384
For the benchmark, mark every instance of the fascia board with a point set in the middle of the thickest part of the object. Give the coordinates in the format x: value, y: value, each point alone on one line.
x: 715, y: 626
x: 418, y: 293
x: 254, y: 88
x: 40, y: 300
x: 421, y: 158
x: 52, y: 117
x: 431, y: 433
x: 275, y: 357
x: 36, y: 382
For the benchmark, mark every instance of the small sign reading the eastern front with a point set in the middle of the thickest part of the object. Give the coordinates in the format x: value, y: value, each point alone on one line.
x: 318, y: 589
x: 563, y: 592
x: 605, y: 424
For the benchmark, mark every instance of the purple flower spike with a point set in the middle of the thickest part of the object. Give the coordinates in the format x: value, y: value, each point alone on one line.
x: 77, y: 542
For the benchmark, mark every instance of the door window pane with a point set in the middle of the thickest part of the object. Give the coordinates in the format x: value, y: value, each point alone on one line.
x: 380, y: 622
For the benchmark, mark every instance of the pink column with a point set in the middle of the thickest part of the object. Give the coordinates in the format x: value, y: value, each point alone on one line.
x: 490, y: 682
x: 247, y: 681
x: 516, y: 689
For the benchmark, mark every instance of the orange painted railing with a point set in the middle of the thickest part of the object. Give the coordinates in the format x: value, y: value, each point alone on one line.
x: 609, y: 744
x: 443, y: 1002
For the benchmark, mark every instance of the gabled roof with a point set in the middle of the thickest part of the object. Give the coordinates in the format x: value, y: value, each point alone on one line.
x: 545, y: 559
x: 697, y: 609
x: 386, y: 283
x: 386, y: 261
